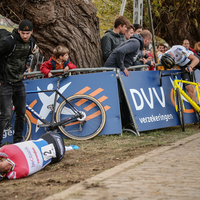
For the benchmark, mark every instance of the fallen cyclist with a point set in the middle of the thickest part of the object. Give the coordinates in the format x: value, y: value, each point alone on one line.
x: 25, y: 158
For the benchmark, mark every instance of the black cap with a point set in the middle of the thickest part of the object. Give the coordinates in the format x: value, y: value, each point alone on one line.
x: 25, y: 25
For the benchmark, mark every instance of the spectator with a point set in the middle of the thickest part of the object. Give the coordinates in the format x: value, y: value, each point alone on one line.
x: 114, y: 37
x: 129, y: 32
x: 160, y: 49
x: 197, y: 48
x: 128, y: 52
x: 186, y: 44
x: 11, y: 78
x: 150, y: 58
x: 58, y: 61
x: 142, y: 59
x: 37, y: 60
x: 179, y: 55
x: 138, y: 28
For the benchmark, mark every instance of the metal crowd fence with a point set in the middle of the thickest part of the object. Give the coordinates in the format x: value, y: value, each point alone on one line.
x: 39, y: 75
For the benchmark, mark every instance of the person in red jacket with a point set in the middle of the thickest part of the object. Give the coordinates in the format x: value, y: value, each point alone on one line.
x: 59, y: 60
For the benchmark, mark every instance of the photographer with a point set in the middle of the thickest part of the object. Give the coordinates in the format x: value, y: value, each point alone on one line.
x: 142, y: 59
x: 124, y: 56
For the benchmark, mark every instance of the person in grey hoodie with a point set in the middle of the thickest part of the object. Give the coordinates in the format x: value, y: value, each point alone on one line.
x: 114, y: 37
x: 128, y: 52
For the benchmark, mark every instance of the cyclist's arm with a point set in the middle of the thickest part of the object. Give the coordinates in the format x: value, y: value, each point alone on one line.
x: 194, y: 60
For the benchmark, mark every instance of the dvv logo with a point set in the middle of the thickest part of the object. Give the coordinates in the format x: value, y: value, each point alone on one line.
x: 150, y: 97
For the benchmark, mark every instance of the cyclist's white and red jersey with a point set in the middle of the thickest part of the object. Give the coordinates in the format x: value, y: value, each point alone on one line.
x: 180, y: 53
x: 27, y: 157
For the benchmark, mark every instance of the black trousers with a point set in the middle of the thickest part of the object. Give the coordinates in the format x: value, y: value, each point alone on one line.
x: 12, y: 94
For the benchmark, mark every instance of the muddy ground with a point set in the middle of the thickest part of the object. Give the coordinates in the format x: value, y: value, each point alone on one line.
x: 93, y: 157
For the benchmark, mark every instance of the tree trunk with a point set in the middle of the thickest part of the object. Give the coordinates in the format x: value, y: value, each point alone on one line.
x: 72, y: 23
x: 177, y: 20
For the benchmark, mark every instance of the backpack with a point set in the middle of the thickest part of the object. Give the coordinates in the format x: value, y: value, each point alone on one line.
x: 4, y: 33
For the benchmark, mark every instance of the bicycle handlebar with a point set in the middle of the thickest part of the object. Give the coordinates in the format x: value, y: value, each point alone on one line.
x: 174, y: 74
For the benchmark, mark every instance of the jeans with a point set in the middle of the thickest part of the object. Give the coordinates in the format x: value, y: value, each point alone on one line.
x: 12, y: 94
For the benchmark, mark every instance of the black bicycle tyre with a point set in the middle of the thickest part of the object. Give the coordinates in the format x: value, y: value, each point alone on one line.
x: 180, y: 109
x: 28, y: 128
x: 92, y: 127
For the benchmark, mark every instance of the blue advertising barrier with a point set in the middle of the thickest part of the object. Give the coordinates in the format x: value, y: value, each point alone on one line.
x: 152, y: 106
x: 102, y: 86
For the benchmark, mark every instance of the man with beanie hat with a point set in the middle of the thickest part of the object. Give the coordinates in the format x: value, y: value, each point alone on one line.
x: 14, y: 52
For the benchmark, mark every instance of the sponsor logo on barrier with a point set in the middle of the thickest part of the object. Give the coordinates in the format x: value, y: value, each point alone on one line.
x: 8, y: 133
x: 142, y: 96
x: 157, y: 118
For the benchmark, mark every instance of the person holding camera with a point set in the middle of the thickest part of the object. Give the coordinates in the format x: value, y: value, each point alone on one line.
x: 129, y: 52
x: 142, y: 59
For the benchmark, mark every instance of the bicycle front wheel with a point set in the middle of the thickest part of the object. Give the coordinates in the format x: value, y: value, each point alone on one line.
x: 94, y: 114
x: 180, y: 109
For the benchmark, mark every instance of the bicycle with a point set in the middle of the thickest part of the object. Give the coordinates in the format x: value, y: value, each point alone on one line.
x: 79, y: 117
x: 178, y: 93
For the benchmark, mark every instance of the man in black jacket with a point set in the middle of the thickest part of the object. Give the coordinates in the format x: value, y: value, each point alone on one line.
x: 128, y: 52
x: 14, y: 51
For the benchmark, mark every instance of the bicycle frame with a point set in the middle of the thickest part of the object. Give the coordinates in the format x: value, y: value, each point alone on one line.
x: 176, y: 85
x: 53, y: 124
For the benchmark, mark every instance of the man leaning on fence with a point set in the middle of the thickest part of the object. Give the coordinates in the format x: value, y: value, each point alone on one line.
x: 128, y: 52
x: 14, y: 51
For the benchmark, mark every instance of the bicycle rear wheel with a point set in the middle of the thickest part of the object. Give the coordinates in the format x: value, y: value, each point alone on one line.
x: 82, y: 130
x: 180, y: 109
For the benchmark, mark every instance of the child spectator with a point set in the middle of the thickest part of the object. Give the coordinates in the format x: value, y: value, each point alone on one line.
x: 58, y: 61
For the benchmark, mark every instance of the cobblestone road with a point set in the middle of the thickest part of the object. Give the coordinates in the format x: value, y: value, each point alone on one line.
x: 171, y: 172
